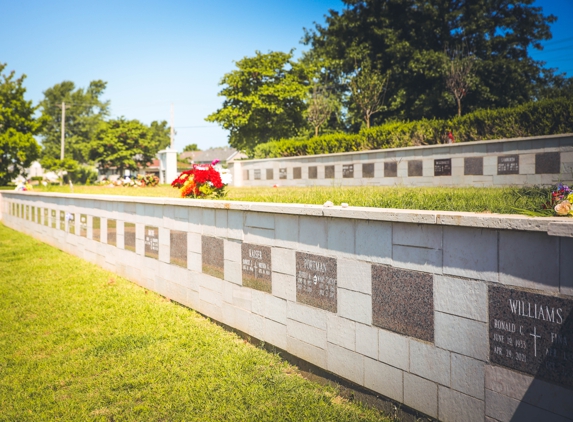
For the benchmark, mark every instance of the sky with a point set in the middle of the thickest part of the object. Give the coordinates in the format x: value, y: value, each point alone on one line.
x: 156, y: 53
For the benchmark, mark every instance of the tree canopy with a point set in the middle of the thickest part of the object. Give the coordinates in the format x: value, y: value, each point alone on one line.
x: 18, y: 148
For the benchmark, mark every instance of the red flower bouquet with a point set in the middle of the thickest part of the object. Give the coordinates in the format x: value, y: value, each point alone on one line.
x: 201, y: 181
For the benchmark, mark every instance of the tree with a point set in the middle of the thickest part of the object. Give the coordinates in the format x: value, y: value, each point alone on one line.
x: 408, y: 37
x: 191, y: 148
x: 368, y: 87
x: 123, y: 144
x: 264, y: 99
x: 319, y: 108
x: 459, y: 77
x: 18, y: 148
x: 160, y: 133
x: 84, y: 116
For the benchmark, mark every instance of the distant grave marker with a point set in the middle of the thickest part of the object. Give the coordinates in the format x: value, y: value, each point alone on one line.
x: 508, y: 164
x: 282, y: 173
x: 390, y: 169
x: 83, y: 225
x: 348, y: 171
x: 297, y: 172
x: 368, y: 170
x: 415, y: 168
x: 151, y: 239
x: 178, y: 248
x: 443, y: 167
x: 129, y: 236
x: 329, y: 172
x: 270, y: 175
x: 313, y: 172
x: 473, y: 166
x: 111, y: 232
x: 96, y: 228
x: 548, y: 163
x: 213, y: 256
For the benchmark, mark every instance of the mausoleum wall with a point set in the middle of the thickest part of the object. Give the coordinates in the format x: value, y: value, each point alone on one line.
x: 460, y: 316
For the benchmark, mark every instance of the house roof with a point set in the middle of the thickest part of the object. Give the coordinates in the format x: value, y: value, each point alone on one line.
x: 222, y: 154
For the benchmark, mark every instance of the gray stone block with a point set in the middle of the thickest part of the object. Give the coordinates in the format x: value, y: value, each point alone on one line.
x: 529, y: 259
x: 355, y: 275
x: 275, y: 334
x: 283, y: 261
x: 259, y: 236
x: 340, y: 236
x: 308, y: 352
x: 421, y: 394
x: 284, y: 286
x: 418, y: 259
x: 462, y: 335
x: 374, y: 241
x: 232, y: 272
x: 232, y: 251
x: 471, y: 252
x: 260, y: 220
x: 565, y: 266
x: 457, y: 407
x: 460, y: 297
x: 306, y: 333
x: 384, y: 379
x: 355, y: 306
x: 394, y: 349
x: 421, y: 235
x: 367, y: 340
x: 307, y: 315
x: 468, y: 375
x: 195, y: 220
x: 341, y: 331
x: 506, y: 409
x: 235, y: 221
x: 312, y: 233
x: 286, y: 231
x: 430, y: 362
x: 269, y: 306
x: 346, y: 363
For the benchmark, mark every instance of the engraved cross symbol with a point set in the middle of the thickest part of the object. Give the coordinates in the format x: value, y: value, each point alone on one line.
x: 535, y: 337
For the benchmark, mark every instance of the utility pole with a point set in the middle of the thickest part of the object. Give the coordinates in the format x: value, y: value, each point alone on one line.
x: 63, y: 107
x: 172, y: 129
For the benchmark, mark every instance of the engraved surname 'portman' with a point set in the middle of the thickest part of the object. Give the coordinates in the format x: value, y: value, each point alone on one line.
x: 536, y: 311
x: 315, y: 265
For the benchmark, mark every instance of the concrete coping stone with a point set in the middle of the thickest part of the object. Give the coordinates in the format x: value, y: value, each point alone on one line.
x: 554, y: 226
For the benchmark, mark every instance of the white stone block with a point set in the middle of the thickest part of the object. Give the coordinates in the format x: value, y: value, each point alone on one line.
x: 355, y: 275
x: 306, y: 333
x: 461, y: 335
x: 529, y: 259
x: 384, y: 379
x: 566, y: 266
x: 210, y: 296
x: 306, y: 315
x: 312, y: 233
x: 284, y: 286
x: 275, y: 334
x: 394, y: 349
x: 430, y: 362
x: 221, y: 223
x: 340, y: 237
x: 420, y: 235
x: 460, y: 297
x: 242, y: 297
x: 355, y: 306
x: 471, y: 252
x: 367, y: 340
x: 457, y: 407
x: 346, y: 363
x: 257, y: 326
x: 421, y: 394
x: 208, y: 224
x: 418, y: 259
x: 374, y: 241
x: 259, y: 236
x: 468, y: 375
x: 341, y: 331
x: 306, y: 351
x: 194, y: 242
x: 283, y: 261
x: 235, y: 220
x: 194, y: 262
x: 286, y: 231
x: 233, y: 272
x: 195, y: 219
x: 232, y: 251
x: 269, y: 306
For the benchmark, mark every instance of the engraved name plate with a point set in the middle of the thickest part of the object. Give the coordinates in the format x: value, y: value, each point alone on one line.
x: 508, y: 164
x: 213, y: 256
x: 443, y: 167
x: 151, y: 239
x: 316, y: 281
x: 256, y: 267
x: 178, y: 248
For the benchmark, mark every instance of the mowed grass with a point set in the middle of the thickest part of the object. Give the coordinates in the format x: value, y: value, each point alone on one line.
x: 79, y: 343
x: 505, y: 200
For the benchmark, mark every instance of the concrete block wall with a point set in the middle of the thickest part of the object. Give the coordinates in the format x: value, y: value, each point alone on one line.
x: 266, y: 172
x: 450, y: 378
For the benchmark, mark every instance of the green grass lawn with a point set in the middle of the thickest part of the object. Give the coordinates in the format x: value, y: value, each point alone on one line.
x: 79, y: 343
x: 507, y: 200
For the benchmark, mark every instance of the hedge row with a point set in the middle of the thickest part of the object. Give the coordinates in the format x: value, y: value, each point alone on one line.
x: 546, y: 117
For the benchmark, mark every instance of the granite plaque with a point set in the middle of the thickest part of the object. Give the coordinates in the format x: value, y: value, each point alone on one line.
x: 83, y: 225
x: 415, y: 168
x: 46, y: 217
x: 71, y: 217
x: 283, y: 173
x: 213, y: 256
x: 270, y: 175
x: 38, y: 215
x: 112, y: 232
x: 246, y: 174
x: 313, y: 172
x: 390, y: 169
x: 548, y: 163
x: 178, y: 248
x: 96, y: 228
x: 257, y: 174
x: 27, y: 212
x: 33, y: 214
x: 348, y: 171
x: 508, y: 164
x: 17, y: 210
x: 473, y: 166
x: 329, y: 172
x: 62, y: 220
x: 256, y: 264
x: 443, y: 167
x: 297, y: 173
x: 532, y: 333
x: 403, y: 301
x: 53, y: 218
x: 151, y: 239
x: 316, y: 281
x: 129, y: 236
x: 368, y: 170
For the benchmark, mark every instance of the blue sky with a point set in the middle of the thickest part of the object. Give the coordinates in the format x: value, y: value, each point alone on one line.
x: 155, y: 53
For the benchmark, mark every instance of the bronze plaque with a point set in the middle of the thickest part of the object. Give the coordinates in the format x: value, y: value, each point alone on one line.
x: 129, y: 236
x: 178, y: 248
x: 213, y: 256
x: 151, y: 238
x: 256, y: 264
x: 316, y: 281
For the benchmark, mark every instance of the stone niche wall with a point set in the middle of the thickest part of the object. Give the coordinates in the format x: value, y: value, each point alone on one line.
x: 541, y: 160
x: 460, y: 316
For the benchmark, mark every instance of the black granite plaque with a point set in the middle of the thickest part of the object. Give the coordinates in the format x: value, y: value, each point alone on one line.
x: 53, y: 218
x: 129, y: 236
x: 548, y: 163
x: 283, y: 173
x: 270, y: 175
x: 473, y: 166
x: 313, y: 172
x: 256, y: 264
x: 257, y: 174
x: 83, y: 225
x: 151, y: 239
x: 71, y: 217
x: 403, y: 301
x: 415, y: 168
x: 329, y: 172
x: 96, y: 228
x: 62, y: 220
x: 316, y: 281
x: 368, y: 170
x: 508, y: 164
x: 246, y: 174
x: 348, y: 171
x: 178, y: 248
x: 213, y: 256
x: 112, y: 232
x: 46, y: 217
x: 390, y: 169
x: 443, y: 167
x: 297, y: 173
x: 532, y: 333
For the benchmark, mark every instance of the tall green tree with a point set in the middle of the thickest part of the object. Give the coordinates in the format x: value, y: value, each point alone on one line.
x: 18, y: 147
x: 85, y: 113
x: 408, y: 38
x: 264, y: 99
x: 123, y: 144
